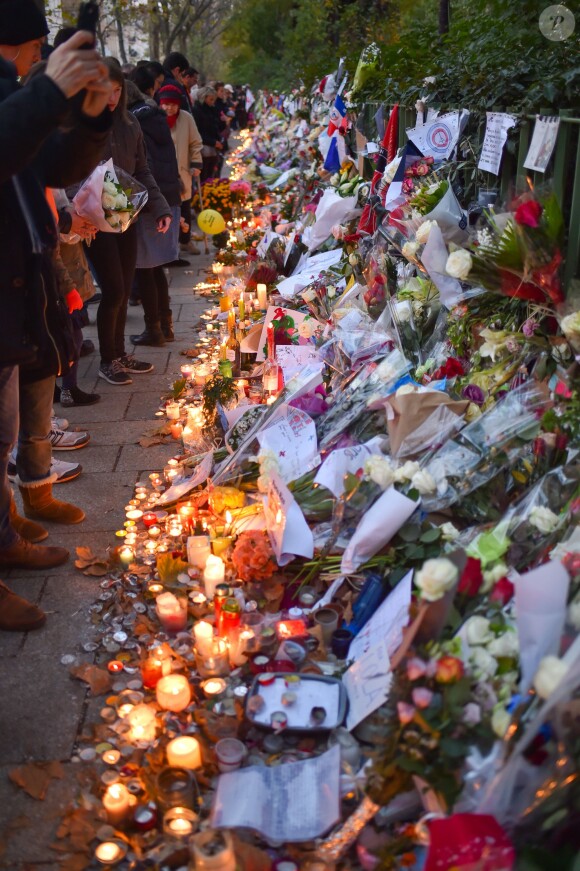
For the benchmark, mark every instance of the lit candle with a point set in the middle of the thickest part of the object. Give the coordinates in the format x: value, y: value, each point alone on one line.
x: 126, y: 555
x: 176, y: 430
x: 109, y: 853
x: 172, y: 410
x: 186, y: 514
x: 240, y: 647
x: 198, y: 550
x: 125, y: 709
x: 262, y: 292
x: 173, y: 693
x: 180, y: 822
x: 213, y: 574
x: 111, y: 757
x: 155, y: 588
x: 131, y: 538
x: 172, y: 612
x: 214, y: 688
x: 142, y: 723
x: 203, y: 634
x: 149, y: 519
x: 154, y: 531
x: 187, y: 370
x: 117, y: 801
x: 216, y: 662
x: 184, y: 752
x: 134, y: 514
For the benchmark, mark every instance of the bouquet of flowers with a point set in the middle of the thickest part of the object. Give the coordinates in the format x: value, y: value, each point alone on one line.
x: 216, y: 194
x: 110, y: 198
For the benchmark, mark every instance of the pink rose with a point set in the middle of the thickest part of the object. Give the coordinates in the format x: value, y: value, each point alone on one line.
x: 471, y: 714
x: 415, y: 668
x: 406, y: 712
x: 422, y: 697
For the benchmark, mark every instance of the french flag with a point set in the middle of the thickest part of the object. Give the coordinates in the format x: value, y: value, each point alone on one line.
x: 338, y: 119
x: 336, y: 154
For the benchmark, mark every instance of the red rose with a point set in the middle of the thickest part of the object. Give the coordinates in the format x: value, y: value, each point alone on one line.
x: 454, y: 367
x: 502, y: 592
x: 449, y: 669
x: 528, y: 214
x: 471, y: 578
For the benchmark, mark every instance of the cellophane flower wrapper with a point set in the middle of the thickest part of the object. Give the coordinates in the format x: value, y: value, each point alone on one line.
x: 414, y: 430
x: 91, y: 201
x: 380, y: 276
x: 485, y: 446
x: 405, y: 329
x: 374, y: 381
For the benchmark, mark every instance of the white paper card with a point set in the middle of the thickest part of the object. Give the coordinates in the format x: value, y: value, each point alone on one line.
x: 387, y: 623
x: 293, y: 358
x: 367, y: 684
x: 498, y: 124
x: 310, y: 694
x: 339, y: 462
x: 292, y: 803
x: 376, y: 528
x: 292, y: 438
x: 289, y: 533
x: 201, y: 474
x: 543, y: 143
x: 438, y: 138
x: 291, y: 323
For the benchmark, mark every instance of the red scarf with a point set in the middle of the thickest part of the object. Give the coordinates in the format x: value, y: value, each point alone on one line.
x: 172, y: 119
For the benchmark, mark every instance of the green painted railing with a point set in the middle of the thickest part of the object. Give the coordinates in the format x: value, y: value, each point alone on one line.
x: 563, y: 172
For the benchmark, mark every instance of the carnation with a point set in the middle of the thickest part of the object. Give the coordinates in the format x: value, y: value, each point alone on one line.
x: 253, y: 557
x: 435, y: 578
x: 459, y: 264
x: 424, y: 231
x: 543, y: 519
x: 550, y: 673
x: 108, y: 201
x: 380, y: 471
x: 449, y: 532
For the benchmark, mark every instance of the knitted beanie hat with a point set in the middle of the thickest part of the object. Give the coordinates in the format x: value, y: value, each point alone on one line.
x: 21, y: 21
x: 169, y: 94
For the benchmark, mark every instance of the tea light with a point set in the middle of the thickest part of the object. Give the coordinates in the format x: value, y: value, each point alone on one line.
x: 184, y: 752
x: 187, y: 370
x: 111, y: 757
x: 129, y: 526
x: 126, y: 555
x: 198, y: 550
x: 114, y: 666
x: 214, y: 663
x: 131, y: 538
x: 121, y: 533
x: 213, y: 850
x: 172, y: 612
x: 125, y: 709
x: 176, y: 430
x: 151, y: 672
x: 172, y: 410
x: 262, y: 292
x: 154, y: 588
x: 110, y: 852
x: 142, y: 723
x: 173, y: 693
x: 150, y: 548
x: 214, y: 688
x: 173, y: 526
x: 180, y: 822
x: 186, y: 514
x: 199, y: 604
x: 117, y: 801
x: 154, y: 531
x: 213, y: 574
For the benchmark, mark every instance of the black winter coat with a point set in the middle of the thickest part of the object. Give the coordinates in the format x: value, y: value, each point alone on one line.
x: 36, y: 154
x: 161, y: 155
x: 208, y: 123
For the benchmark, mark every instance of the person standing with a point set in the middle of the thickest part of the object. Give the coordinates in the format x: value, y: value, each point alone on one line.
x: 208, y: 123
x: 188, y: 148
x: 114, y: 255
x: 154, y: 249
x: 36, y: 152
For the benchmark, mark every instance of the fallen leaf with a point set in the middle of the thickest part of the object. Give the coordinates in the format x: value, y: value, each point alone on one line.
x: 91, y: 564
x: 35, y: 777
x: 97, y: 570
x: 97, y: 678
x: 168, y: 567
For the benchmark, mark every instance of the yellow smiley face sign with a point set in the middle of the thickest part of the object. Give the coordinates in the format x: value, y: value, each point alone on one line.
x: 211, y: 222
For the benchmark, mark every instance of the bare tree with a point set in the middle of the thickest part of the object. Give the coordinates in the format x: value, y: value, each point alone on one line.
x: 444, y: 16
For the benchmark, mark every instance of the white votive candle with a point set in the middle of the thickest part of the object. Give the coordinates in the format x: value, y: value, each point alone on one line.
x: 117, y: 801
x: 213, y: 574
x: 184, y: 752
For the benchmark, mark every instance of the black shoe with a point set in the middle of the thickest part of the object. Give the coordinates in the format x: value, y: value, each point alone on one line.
x: 87, y: 347
x: 150, y: 336
x: 128, y: 363
x: 76, y: 396
x: 114, y: 373
x: 179, y: 262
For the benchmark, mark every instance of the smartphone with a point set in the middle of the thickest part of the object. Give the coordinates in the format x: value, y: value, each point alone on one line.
x: 88, y: 18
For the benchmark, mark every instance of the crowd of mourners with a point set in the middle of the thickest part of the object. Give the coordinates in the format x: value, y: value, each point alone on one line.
x: 63, y: 110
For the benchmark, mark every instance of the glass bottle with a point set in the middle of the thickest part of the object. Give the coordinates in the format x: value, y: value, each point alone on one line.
x: 233, y: 345
x: 272, y: 370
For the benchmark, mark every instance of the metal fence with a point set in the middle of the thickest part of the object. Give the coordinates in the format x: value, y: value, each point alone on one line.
x: 563, y: 172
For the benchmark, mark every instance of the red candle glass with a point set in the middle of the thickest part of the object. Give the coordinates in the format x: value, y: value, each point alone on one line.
x: 149, y: 519
x: 151, y: 672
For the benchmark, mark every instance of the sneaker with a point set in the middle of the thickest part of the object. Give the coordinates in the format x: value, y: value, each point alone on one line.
x: 76, y: 396
x: 114, y: 373
x: 128, y: 363
x: 64, y: 471
x: 58, y: 422
x: 68, y: 441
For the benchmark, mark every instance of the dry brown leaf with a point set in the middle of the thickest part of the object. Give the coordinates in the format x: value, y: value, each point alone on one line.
x: 97, y: 678
x: 35, y: 777
x: 97, y: 570
x: 151, y: 441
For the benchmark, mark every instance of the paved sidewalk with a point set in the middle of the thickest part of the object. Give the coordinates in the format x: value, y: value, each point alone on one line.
x: 42, y: 708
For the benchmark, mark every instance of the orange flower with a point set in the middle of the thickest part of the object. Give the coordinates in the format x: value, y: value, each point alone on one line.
x: 408, y: 860
x: 449, y: 669
x: 253, y: 557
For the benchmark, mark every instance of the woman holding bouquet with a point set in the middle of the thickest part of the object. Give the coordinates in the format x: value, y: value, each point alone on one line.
x: 114, y: 255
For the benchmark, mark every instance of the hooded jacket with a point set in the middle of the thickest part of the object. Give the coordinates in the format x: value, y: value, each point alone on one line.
x: 36, y: 154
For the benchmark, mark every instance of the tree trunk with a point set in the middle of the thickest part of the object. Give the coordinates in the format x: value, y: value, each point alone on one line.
x: 444, y: 16
x: 120, y: 34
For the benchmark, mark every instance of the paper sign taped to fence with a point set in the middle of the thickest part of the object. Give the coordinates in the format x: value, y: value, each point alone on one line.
x: 289, y: 533
x: 438, y: 138
x: 543, y: 143
x: 498, y: 124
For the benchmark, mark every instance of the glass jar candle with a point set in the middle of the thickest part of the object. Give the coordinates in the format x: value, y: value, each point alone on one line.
x: 215, y: 661
x: 175, y: 788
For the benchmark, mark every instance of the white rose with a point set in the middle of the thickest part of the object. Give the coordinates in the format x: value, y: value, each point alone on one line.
x: 500, y: 720
x: 331, y: 291
x: 307, y: 328
x: 543, y: 519
x: 121, y: 201
x: 574, y: 614
x: 110, y: 188
x: 404, y: 311
x: 449, y: 532
x: 477, y: 630
x: 570, y: 326
x: 424, y: 231
x: 484, y: 665
x: 406, y: 471
x: 353, y: 259
x: 423, y: 482
x: 459, y: 264
x: 506, y: 644
x: 549, y: 674
x: 492, y: 576
x: 108, y: 201
x: 379, y: 470
x: 435, y: 578
x: 409, y: 250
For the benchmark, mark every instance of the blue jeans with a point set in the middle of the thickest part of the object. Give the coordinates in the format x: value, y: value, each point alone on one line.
x: 34, y: 452
x: 8, y: 435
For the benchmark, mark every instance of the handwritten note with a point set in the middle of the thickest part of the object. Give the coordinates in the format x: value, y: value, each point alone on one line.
x: 387, y: 623
x: 498, y: 124
x: 292, y: 438
x: 367, y: 684
x: 543, y: 142
x: 289, y: 533
x: 293, y: 358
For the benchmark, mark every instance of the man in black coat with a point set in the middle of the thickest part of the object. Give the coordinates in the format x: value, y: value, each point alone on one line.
x: 174, y: 66
x: 35, y: 153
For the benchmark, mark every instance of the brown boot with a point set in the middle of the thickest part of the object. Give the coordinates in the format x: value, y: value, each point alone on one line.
x: 26, y: 529
x: 41, y: 504
x: 23, y: 555
x: 18, y: 615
